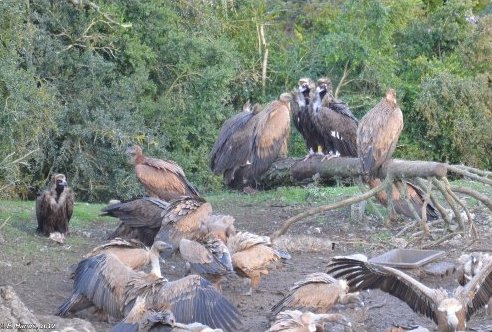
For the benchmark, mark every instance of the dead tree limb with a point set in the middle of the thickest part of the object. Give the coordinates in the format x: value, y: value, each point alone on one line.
x: 475, y: 194
x: 329, y: 207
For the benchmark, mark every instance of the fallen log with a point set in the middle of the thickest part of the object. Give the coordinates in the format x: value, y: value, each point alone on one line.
x: 298, y: 171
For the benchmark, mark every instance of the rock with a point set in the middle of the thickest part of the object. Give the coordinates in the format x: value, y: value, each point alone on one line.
x: 15, y: 316
x: 14, y: 312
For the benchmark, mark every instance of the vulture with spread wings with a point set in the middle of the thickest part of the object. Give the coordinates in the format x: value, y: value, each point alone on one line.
x: 54, y: 207
x: 449, y: 311
x: 106, y: 283
x: 378, y: 133
x: 334, y: 121
x: 231, y: 152
x: 162, y: 179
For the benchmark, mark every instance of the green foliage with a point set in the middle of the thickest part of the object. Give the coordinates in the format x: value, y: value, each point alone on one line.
x: 458, y: 112
x: 79, y: 83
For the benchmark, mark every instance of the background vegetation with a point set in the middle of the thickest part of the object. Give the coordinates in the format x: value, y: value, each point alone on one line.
x: 80, y: 80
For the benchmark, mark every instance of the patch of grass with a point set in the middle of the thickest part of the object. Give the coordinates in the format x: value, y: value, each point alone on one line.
x: 381, y: 236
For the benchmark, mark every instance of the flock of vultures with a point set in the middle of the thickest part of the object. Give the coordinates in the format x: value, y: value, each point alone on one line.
x: 121, y: 280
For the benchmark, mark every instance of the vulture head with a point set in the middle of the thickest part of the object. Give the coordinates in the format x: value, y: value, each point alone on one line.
x: 323, y: 86
x: 60, y: 182
x: 391, y: 96
x: 162, y: 248
x: 305, y: 85
x: 286, y: 98
x: 135, y: 151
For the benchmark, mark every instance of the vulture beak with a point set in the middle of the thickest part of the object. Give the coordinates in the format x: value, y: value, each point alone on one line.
x: 303, y: 87
x: 61, y: 183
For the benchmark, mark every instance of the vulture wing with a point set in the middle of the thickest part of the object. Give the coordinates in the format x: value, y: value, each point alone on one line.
x: 378, y: 133
x: 270, y: 138
x: 233, y: 145
x: 45, y: 208
x: 140, y: 218
x: 182, y: 219
x: 365, y: 275
x: 163, y: 179
x: 140, y: 212
x: 339, y: 128
x: 69, y: 203
x: 210, y: 258
x: 478, y: 291
x: 192, y: 299
x: 100, y: 279
x: 318, y: 291
x: 415, y: 196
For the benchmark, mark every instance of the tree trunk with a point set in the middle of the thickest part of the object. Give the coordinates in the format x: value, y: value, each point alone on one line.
x: 297, y: 171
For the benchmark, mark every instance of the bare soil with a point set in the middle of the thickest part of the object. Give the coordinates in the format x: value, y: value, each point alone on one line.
x: 41, y: 278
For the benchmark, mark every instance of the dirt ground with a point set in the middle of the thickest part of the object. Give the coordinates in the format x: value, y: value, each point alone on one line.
x: 42, y: 280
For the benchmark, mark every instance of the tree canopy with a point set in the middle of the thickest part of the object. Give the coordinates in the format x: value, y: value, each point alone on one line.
x: 80, y: 79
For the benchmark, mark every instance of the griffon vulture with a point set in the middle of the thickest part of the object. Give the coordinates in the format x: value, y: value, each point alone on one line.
x: 449, y: 311
x: 183, y: 219
x: 297, y: 321
x: 334, y: 121
x: 208, y: 257
x: 108, y: 284
x: 54, y: 207
x: 302, y: 115
x: 141, y: 218
x: 132, y: 253
x: 414, y: 196
x: 271, y: 135
x: 252, y: 255
x: 318, y: 292
x: 378, y: 133
x: 232, y: 150
x: 162, y: 179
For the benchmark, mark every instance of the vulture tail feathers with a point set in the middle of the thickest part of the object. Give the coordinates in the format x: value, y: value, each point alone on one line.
x: 368, y: 161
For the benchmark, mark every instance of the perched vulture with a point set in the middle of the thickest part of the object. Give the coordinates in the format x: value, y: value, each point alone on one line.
x: 378, y: 133
x: 141, y: 218
x: 414, y: 196
x: 132, y: 253
x: 334, y: 121
x: 297, y: 321
x: 108, y: 284
x: 302, y: 115
x: 252, y: 255
x: 271, y: 135
x: 232, y: 149
x: 54, y: 207
x: 318, y: 292
x: 208, y: 257
x: 182, y: 219
x: 449, y: 312
x: 162, y: 179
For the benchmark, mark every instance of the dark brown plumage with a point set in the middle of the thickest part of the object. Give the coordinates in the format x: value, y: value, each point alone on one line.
x: 231, y: 152
x: 141, y: 218
x: 271, y: 135
x: 318, y: 292
x: 414, y: 196
x: 302, y: 115
x: 378, y: 133
x: 449, y: 312
x: 103, y: 281
x: 252, y: 255
x: 54, y: 207
x: 334, y: 121
x: 162, y: 179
